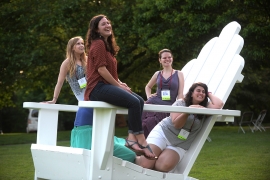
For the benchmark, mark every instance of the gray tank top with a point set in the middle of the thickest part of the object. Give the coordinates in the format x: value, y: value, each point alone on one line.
x: 73, y: 82
x: 172, y: 84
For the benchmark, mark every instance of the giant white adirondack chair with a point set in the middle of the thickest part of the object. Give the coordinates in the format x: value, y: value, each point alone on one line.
x: 219, y: 65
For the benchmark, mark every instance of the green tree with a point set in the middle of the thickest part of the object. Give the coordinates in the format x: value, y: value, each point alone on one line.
x: 34, y: 35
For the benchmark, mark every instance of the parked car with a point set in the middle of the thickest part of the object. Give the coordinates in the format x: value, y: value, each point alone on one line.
x: 32, y: 120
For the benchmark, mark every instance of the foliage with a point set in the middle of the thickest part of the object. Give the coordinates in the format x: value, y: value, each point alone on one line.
x: 34, y: 35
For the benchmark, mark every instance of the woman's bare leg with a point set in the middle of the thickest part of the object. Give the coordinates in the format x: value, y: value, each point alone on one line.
x: 146, y: 163
x: 167, y: 160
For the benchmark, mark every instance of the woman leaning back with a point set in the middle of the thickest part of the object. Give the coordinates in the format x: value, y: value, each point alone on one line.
x: 172, y: 137
x: 103, y: 83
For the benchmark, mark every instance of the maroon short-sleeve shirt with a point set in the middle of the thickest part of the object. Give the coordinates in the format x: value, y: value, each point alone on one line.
x: 98, y: 56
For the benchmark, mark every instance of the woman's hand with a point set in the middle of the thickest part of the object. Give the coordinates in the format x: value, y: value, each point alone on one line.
x: 125, y: 87
x: 122, y: 84
x: 50, y: 102
x: 152, y: 95
x: 215, y: 102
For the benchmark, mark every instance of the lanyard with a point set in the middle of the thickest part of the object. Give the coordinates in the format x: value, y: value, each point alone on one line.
x: 77, y: 75
x: 169, y: 82
x: 192, y: 123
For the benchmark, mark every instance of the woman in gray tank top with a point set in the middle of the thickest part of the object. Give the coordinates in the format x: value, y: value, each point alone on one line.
x: 170, y: 85
x: 172, y: 137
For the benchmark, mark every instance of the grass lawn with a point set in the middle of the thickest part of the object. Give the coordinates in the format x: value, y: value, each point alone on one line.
x: 230, y: 155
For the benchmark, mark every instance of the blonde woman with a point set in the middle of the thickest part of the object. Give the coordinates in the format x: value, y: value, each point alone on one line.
x: 72, y: 69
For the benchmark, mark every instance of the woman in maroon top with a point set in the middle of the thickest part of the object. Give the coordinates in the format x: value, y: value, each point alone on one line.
x: 103, y: 83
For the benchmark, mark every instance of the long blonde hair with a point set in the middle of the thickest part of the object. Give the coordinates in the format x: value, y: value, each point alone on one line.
x: 71, y: 57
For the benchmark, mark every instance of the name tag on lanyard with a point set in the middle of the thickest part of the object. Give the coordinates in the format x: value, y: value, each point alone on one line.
x: 165, y: 95
x: 82, y: 82
x: 183, y: 134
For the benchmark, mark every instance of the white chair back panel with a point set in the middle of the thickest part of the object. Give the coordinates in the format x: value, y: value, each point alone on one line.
x: 191, y: 72
x: 220, y: 57
x: 230, y: 78
x: 224, y: 65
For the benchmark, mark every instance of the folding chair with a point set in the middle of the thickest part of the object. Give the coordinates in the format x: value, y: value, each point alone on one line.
x: 246, y: 119
x: 258, y: 122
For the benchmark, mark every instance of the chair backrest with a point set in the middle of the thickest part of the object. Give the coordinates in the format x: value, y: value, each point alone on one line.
x: 261, y: 117
x: 246, y: 117
x: 218, y: 65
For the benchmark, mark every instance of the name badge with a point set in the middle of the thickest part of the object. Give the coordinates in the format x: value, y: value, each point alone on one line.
x: 183, y: 134
x: 165, y: 95
x: 82, y: 82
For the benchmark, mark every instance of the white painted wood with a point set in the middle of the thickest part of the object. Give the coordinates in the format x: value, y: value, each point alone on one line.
x: 55, y: 162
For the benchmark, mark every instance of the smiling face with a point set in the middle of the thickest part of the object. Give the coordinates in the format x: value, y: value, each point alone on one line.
x: 104, y: 28
x: 79, y: 47
x: 198, y: 95
x: 166, y: 59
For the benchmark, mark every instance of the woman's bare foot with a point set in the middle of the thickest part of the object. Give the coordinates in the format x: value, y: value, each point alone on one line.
x: 145, y: 147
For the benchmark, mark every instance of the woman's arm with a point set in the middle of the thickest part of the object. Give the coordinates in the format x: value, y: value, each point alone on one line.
x: 181, y: 85
x: 61, y: 78
x: 179, y: 119
x: 215, y: 102
x: 103, y: 71
x: 150, y: 84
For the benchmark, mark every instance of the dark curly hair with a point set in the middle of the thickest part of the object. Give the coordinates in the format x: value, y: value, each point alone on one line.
x: 92, y: 34
x: 188, y: 98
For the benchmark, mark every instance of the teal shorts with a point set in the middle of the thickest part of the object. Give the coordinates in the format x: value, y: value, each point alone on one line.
x: 81, y: 137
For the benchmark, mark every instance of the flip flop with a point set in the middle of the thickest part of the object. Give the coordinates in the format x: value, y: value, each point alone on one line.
x: 130, y: 143
x: 149, y: 148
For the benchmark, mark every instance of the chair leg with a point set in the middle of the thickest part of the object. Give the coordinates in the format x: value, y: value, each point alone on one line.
x: 261, y: 127
x: 240, y: 127
x: 257, y: 127
x: 251, y: 129
x: 209, y: 139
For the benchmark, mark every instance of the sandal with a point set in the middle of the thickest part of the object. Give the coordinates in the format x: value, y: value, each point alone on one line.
x: 129, y: 145
x: 149, y: 149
